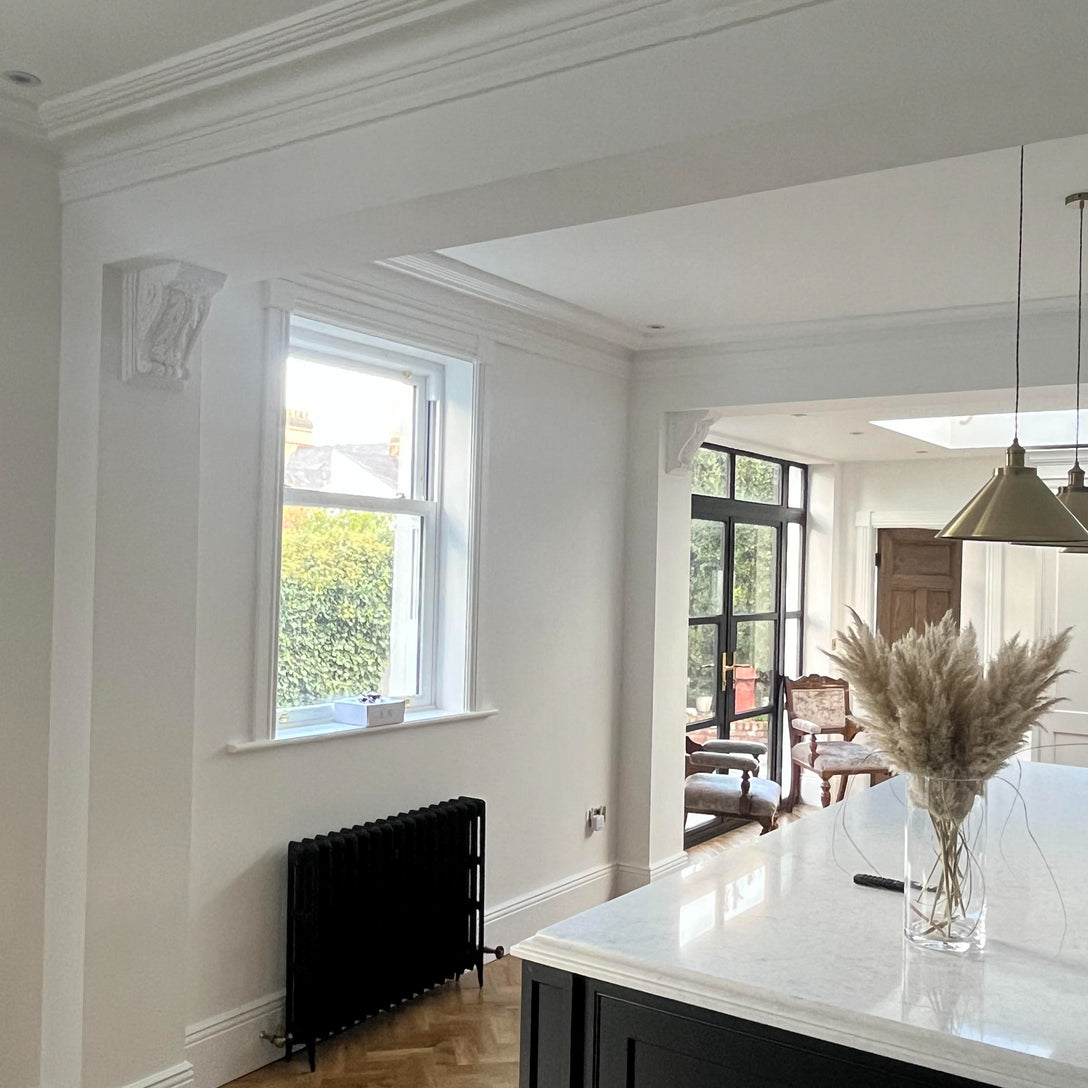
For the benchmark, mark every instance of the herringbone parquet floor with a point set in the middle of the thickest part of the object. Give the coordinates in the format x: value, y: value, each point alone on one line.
x: 457, y: 1037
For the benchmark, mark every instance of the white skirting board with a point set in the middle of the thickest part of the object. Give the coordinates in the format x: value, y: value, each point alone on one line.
x: 177, y: 1076
x: 227, y: 1046
x: 224, y: 1047
x: 630, y: 877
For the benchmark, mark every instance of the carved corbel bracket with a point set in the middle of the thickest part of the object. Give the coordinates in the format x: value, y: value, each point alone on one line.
x: 685, y: 432
x: 164, y: 307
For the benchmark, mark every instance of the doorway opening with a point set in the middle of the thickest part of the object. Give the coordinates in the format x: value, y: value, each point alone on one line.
x: 918, y: 580
x: 745, y: 602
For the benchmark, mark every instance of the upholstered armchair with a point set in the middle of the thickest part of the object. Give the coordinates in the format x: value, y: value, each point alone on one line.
x: 710, y: 789
x: 817, y: 707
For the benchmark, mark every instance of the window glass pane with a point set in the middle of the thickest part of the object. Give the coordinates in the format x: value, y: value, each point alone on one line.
x: 350, y: 432
x: 753, y: 675
x: 791, y: 659
x: 702, y: 655
x: 710, y: 473
x: 705, y: 597
x: 794, y: 555
x: 795, y: 487
x: 350, y: 587
x: 758, y: 480
x: 755, y: 575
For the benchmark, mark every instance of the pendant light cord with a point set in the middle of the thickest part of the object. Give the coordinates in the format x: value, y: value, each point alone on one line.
x: 1019, y: 282
x: 1080, y: 323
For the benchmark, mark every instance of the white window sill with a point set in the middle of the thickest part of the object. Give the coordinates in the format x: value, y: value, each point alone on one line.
x: 327, y: 732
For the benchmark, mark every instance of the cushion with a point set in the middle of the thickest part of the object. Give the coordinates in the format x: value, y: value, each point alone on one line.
x: 824, y: 707
x: 740, y: 747
x: 840, y: 757
x: 720, y: 794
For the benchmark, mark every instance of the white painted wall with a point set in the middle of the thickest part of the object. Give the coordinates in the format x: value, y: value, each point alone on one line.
x: 550, y: 609
x: 141, y: 718
x: 512, y: 160
x: 780, y: 366
x: 926, y: 485
x: 1063, y: 737
x: 29, y: 348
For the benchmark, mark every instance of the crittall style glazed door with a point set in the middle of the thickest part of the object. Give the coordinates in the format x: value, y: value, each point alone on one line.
x: 745, y: 601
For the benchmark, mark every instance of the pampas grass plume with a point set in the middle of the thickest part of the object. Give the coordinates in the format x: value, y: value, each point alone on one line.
x: 932, y: 707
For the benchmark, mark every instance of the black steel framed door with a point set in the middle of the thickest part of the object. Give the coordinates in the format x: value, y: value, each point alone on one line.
x: 746, y: 594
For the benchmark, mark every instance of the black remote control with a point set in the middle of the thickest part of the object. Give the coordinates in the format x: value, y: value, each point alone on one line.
x: 867, y: 880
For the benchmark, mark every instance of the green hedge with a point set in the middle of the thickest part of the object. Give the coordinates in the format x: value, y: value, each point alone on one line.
x: 336, y: 588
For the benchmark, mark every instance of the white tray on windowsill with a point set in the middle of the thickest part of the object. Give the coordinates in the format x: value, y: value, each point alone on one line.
x: 384, y: 711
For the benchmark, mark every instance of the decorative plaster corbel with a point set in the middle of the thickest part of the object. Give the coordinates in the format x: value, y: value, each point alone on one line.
x: 163, y: 310
x: 685, y: 432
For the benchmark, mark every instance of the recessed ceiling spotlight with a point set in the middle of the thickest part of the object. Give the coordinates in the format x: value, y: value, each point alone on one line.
x: 921, y: 451
x: 799, y: 415
x: 656, y: 328
x: 857, y: 432
x: 22, y: 79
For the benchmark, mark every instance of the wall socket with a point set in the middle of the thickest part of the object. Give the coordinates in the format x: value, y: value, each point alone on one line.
x: 595, y: 818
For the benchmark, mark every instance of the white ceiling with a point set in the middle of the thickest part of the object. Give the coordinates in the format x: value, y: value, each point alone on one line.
x: 926, y: 237
x: 842, y: 431
x: 71, y: 44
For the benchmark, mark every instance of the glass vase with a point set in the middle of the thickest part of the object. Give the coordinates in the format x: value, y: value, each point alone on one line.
x: 945, y: 883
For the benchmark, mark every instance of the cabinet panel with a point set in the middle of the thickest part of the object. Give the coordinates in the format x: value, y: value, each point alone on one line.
x: 642, y: 1042
x: 551, y: 1028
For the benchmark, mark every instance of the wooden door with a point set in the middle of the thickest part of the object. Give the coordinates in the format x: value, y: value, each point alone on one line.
x: 918, y: 580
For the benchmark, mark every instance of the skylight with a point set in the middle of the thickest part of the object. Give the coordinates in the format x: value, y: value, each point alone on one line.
x: 990, y: 431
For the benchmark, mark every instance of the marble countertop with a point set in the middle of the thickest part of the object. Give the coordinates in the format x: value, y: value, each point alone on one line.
x: 777, y: 932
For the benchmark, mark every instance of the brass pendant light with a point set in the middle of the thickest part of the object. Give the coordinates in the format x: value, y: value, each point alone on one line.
x: 1074, y: 496
x: 1015, y: 505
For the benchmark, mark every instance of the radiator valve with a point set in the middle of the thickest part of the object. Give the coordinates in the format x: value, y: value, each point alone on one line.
x: 276, y: 1038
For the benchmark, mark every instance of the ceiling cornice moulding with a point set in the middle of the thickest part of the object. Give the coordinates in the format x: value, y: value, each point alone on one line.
x: 384, y: 287
x: 704, y: 343
x: 453, y: 275
x: 251, y: 53
x: 20, y: 119
x: 332, y: 69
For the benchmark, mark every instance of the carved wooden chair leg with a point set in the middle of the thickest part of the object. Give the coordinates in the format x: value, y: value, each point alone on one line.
x: 825, y: 791
x: 795, y: 786
x: 770, y: 823
x: 842, y: 787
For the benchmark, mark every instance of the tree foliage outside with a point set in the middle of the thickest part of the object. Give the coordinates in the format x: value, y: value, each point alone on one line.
x: 710, y: 473
x: 336, y: 590
x: 753, y: 563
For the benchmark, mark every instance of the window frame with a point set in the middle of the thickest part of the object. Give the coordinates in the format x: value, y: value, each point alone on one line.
x: 780, y: 515
x: 296, y: 326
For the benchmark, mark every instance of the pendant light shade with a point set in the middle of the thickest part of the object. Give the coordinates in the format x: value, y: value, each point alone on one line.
x: 1015, y: 505
x: 1075, y: 495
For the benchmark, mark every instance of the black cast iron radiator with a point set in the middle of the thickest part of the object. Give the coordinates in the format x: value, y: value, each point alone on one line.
x: 380, y: 912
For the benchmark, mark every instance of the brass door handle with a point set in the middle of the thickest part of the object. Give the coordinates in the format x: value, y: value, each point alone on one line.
x: 727, y: 669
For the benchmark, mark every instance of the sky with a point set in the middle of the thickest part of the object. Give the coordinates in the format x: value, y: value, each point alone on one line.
x: 349, y: 406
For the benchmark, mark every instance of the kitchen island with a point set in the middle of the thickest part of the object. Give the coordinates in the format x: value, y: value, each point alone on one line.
x: 766, y: 965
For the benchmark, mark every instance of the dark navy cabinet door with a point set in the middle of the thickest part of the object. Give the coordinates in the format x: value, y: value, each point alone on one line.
x: 641, y: 1042
x: 577, y: 1032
